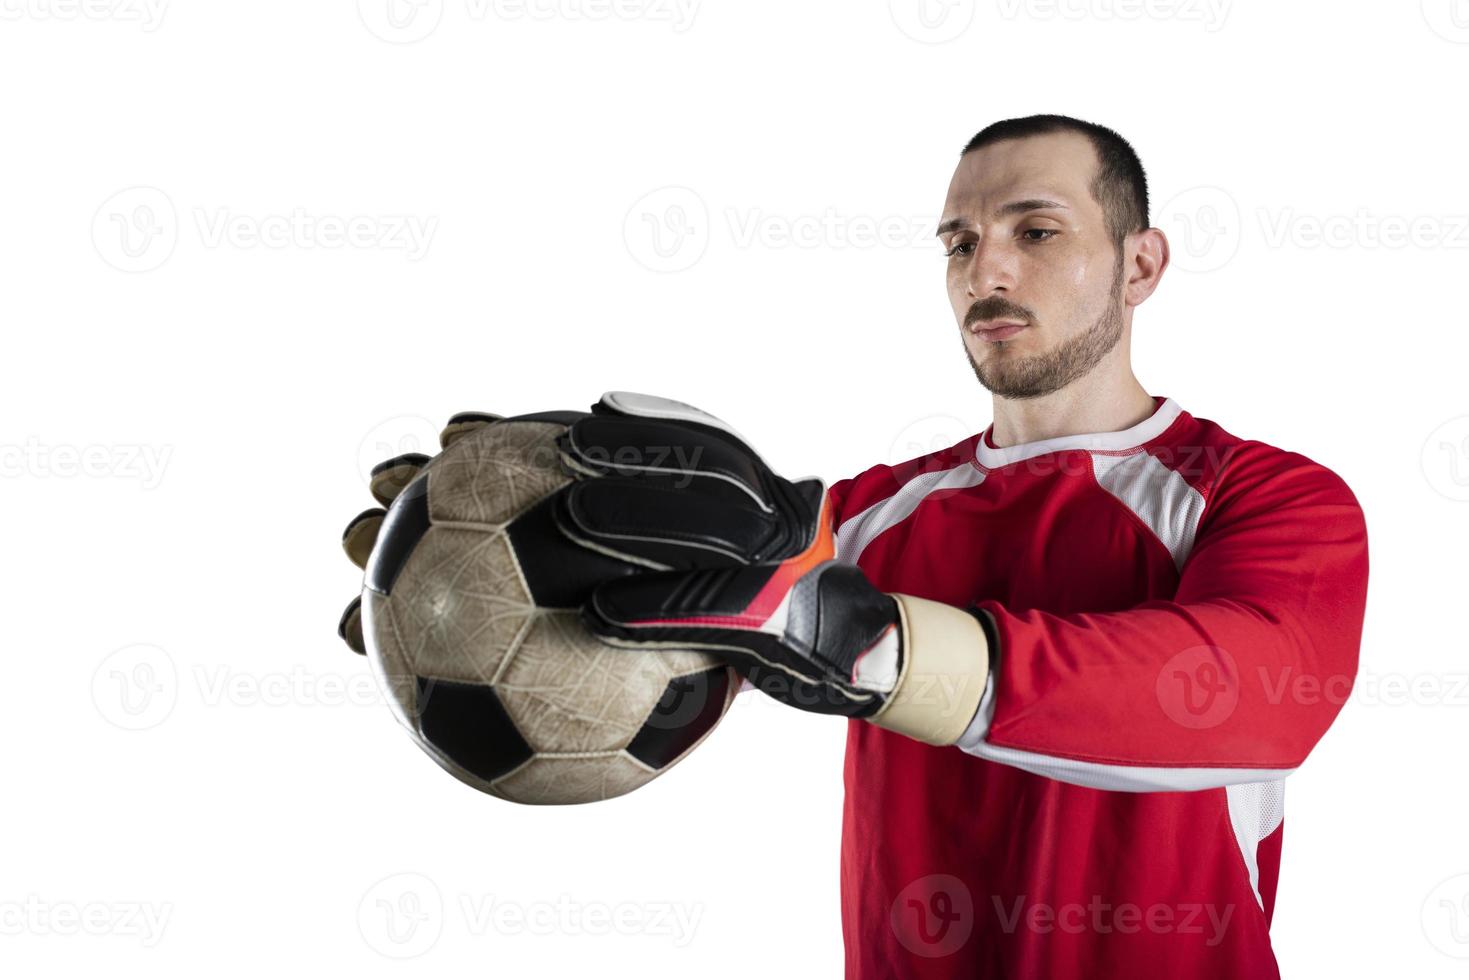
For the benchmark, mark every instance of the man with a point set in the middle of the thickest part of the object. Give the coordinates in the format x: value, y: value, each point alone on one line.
x: 1074, y: 653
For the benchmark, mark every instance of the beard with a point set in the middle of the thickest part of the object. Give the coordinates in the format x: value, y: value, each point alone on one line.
x: 1051, y: 370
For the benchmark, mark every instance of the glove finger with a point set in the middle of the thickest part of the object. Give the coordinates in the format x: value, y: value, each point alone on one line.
x: 688, y: 530
x: 679, y: 455
x: 349, y: 627
x: 631, y: 403
x: 463, y: 424
x: 670, y: 528
x: 391, y: 475
x: 361, y: 535
x: 683, y: 605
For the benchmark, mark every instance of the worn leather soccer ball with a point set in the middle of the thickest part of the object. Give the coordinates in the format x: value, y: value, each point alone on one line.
x: 469, y: 616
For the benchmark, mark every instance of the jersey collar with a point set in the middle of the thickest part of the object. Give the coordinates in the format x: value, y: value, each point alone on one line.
x: 1145, y: 431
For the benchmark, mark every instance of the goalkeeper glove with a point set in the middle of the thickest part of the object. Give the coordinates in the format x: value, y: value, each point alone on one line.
x: 741, y: 564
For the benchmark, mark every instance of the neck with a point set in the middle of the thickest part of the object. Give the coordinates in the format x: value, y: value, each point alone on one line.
x: 1102, y: 401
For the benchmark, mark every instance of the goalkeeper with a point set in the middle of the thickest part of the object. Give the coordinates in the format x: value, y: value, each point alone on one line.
x: 1067, y: 645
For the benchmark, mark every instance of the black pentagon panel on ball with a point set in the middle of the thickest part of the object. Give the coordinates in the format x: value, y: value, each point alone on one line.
x: 468, y: 725
x: 691, y: 705
x: 403, y: 527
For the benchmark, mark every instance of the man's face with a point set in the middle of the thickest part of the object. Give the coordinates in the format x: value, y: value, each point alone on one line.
x: 1033, y: 276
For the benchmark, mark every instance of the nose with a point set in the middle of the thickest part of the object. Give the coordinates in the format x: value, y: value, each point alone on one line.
x: 991, y: 269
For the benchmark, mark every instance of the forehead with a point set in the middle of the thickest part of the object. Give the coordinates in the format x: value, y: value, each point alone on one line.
x: 1056, y: 166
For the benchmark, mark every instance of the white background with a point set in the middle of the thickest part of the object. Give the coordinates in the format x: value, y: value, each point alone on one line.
x: 728, y: 203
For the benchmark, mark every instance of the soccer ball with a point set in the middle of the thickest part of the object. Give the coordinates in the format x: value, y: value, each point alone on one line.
x: 470, y: 617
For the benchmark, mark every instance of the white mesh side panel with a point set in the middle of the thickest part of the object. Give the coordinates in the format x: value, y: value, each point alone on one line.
x: 1255, y: 810
x: 1118, y: 778
x: 860, y: 530
x: 1161, y: 498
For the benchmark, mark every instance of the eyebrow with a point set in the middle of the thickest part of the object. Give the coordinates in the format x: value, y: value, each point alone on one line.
x: 1014, y: 207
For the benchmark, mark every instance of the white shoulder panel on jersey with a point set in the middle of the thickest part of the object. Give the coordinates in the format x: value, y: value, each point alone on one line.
x: 1160, y: 497
x: 861, y: 529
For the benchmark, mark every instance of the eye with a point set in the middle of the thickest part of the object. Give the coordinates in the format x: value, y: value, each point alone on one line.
x: 962, y: 248
x: 1039, y: 234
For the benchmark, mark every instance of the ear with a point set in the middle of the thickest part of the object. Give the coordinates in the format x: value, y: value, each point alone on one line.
x: 1147, y: 252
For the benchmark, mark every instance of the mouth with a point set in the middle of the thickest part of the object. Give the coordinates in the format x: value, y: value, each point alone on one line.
x: 993, y: 331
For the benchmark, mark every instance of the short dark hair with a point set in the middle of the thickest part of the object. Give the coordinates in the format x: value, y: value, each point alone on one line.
x: 1120, y: 186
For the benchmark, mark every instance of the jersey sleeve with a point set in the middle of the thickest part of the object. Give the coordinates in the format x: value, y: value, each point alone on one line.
x: 837, y: 495
x: 1233, y: 680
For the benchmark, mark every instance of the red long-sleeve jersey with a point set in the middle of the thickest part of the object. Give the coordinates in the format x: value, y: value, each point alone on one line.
x: 1176, y: 614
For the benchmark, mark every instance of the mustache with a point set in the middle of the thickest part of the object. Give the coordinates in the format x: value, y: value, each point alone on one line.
x: 997, y: 308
